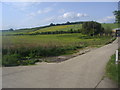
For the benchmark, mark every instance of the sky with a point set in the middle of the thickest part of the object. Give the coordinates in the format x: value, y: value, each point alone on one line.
x: 18, y: 15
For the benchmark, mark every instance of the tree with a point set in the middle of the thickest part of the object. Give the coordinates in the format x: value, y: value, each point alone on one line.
x: 67, y: 23
x: 108, y: 30
x: 92, y: 28
x: 117, y: 16
x: 52, y: 24
x: 11, y: 29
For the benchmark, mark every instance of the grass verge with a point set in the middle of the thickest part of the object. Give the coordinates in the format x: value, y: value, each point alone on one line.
x: 112, y: 70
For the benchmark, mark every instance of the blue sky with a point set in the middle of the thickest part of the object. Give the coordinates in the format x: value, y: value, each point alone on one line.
x: 32, y: 14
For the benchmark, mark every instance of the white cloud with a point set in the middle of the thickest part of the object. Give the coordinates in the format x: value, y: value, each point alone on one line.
x: 45, y: 10
x: 108, y: 19
x: 61, y: 11
x: 81, y: 15
x: 73, y: 15
x: 50, y: 19
x: 32, y: 14
x: 41, y: 11
x: 68, y: 16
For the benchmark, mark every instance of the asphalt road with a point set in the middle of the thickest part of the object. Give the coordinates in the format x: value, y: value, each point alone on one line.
x: 84, y: 71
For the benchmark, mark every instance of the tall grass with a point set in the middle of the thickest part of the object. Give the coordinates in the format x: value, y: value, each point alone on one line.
x: 113, y: 70
x: 31, y: 47
x: 53, y: 40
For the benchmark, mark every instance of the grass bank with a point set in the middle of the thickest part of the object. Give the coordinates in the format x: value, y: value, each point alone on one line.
x: 113, y: 70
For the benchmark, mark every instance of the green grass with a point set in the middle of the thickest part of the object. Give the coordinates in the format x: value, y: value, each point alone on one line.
x: 111, y: 25
x: 112, y: 69
x: 52, y: 40
x: 17, y: 32
x: 47, y: 29
x: 27, y: 47
x: 36, y: 46
x: 59, y: 28
x: 50, y: 45
x: 54, y: 28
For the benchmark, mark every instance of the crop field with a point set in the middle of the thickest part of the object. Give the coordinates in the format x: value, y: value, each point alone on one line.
x: 60, y: 43
x: 55, y: 28
x: 26, y: 47
x: 53, y: 40
x: 47, y: 29
x: 59, y: 28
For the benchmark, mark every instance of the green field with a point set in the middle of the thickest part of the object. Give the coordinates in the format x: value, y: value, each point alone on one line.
x: 17, y: 32
x: 53, y: 40
x: 51, y: 28
x: 55, y: 28
x: 59, y: 28
x: 111, y: 25
x: 27, y: 47
x: 51, y: 45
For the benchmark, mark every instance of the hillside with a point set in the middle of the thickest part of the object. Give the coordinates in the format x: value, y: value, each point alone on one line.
x: 53, y: 28
x: 111, y: 25
x: 59, y: 28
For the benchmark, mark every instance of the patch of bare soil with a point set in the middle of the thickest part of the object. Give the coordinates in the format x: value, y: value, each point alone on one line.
x: 58, y: 59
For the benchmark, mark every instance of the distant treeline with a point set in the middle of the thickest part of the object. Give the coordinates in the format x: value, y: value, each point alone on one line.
x: 67, y: 23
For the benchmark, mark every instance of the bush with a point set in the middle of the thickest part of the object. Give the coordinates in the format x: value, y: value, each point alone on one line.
x: 92, y: 28
x: 10, y: 60
x: 37, y: 52
x: 13, y: 60
x: 27, y: 62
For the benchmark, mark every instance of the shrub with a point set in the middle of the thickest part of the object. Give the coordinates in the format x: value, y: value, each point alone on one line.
x: 27, y: 62
x: 92, y: 28
x: 10, y: 60
x: 37, y: 52
x: 13, y: 60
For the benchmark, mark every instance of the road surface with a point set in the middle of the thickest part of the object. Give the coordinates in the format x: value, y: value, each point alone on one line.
x: 84, y: 71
